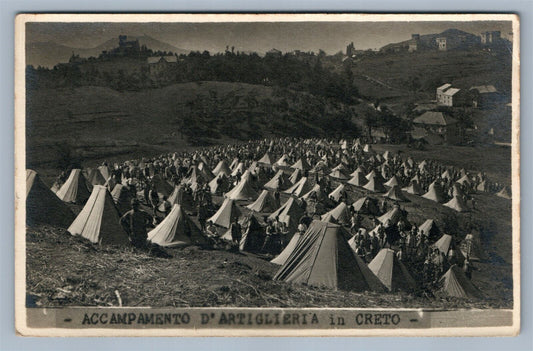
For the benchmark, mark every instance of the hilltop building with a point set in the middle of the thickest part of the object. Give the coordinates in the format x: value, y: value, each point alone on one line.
x: 414, y: 42
x: 442, y: 43
x: 126, y: 47
x: 450, y: 96
x: 350, y: 49
x: 492, y: 37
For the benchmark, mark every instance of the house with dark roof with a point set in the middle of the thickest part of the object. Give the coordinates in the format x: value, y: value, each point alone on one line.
x: 484, y: 96
x: 159, y: 64
x: 434, y: 123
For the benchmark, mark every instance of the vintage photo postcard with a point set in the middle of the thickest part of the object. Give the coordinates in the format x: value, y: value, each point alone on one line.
x: 267, y: 175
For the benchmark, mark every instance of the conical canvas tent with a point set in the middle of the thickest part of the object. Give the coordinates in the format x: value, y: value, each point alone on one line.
x: 422, y: 165
x: 75, y: 188
x: 358, y: 179
x: 455, y: 283
x: 359, y: 169
x: 471, y: 248
x: 295, y: 176
x: 290, y: 213
x: 222, y: 168
x: 371, y: 175
x: 457, y: 204
x: 339, y: 213
x: 265, y: 160
x: 339, y: 175
x: 180, y: 197
x: 393, y: 216
x: 317, y: 192
x: 253, y: 168
x: 287, y: 251
x: 105, y: 171
x: 395, y: 194
x: 301, y: 164
x: 366, y: 205
x: 368, y: 149
x: 177, y: 229
x: 464, y: 179
x: 391, y: 271
x: 505, y: 193
x: 225, y: 214
x: 392, y: 182
x: 195, y: 176
x: 122, y: 197
x: 278, y: 182
x: 434, y: 193
x: 242, y: 191
x: 98, y: 221
x: 430, y: 229
x: 414, y: 188
x: 323, y: 258
x: 265, y: 203
x: 234, y: 163
x: 446, y: 175
x: 252, y: 238
x: 301, y: 187
x: 375, y: 185
x: 328, y: 218
x: 446, y: 244
x: 95, y: 177
x: 42, y: 205
x: 282, y: 161
x: 239, y: 169
x: 337, y: 193
x: 339, y: 167
x: 482, y: 186
x: 219, y: 184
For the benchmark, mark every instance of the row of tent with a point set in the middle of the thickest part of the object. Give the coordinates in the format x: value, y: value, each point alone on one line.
x: 99, y: 220
x: 322, y: 257
x: 101, y: 212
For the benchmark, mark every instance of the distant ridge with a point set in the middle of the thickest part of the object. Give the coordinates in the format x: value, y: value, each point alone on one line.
x: 49, y: 54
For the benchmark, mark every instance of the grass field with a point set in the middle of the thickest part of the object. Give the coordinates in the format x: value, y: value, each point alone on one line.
x: 460, y: 68
x: 66, y: 271
x: 95, y: 122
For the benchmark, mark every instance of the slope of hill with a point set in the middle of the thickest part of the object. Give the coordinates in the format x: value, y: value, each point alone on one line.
x: 49, y: 54
x: 96, y: 121
x: 407, y: 74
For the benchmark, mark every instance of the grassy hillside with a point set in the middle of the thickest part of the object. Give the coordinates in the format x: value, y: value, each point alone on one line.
x: 64, y: 270
x: 96, y: 121
x: 417, y: 74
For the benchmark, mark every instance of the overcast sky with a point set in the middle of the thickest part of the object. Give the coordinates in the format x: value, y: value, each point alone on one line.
x: 258, y: 36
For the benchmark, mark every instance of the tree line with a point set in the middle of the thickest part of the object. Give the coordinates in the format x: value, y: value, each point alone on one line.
x: 303, y: 72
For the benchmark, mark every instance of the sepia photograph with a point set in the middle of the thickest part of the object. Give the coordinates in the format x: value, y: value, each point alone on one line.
x: 274, y: 174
